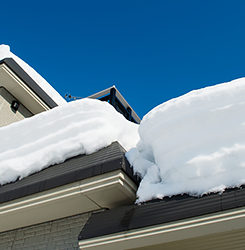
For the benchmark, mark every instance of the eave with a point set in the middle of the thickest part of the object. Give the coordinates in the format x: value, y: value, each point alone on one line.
x: 167, y: 223
x: 23, y: 87
x: 102, y: 180
x: 105, y: 191
x: 205, y: 232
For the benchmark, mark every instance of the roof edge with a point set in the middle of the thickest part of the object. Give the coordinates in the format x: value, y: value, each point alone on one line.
x: 161, y: 212
x: 210, y: 224
x: 15, y: 67
x: 120, y: 163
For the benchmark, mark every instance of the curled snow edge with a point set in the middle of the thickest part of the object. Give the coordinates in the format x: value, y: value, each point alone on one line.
x: 79, y: 127
x: 192, y: 144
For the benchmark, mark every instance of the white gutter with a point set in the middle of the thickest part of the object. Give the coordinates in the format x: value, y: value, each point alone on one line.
x: 105, y: 191
x: 170, y: 232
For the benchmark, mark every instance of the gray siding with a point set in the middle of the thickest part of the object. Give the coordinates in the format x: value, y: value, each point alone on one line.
x: 57, y: 234
x: 7, y: 115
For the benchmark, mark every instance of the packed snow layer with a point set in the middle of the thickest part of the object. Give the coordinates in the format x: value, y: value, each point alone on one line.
x: 78, y: 127
x: 43, y: 84
x: 193, y: 144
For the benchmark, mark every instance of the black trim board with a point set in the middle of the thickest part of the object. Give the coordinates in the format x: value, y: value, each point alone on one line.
x: 158, y: 212
x: 74, y: 169
x: 29, y: 81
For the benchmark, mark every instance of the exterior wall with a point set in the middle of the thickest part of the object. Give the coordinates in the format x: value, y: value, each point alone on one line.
x: 57, y: 234
x: 7, y: 115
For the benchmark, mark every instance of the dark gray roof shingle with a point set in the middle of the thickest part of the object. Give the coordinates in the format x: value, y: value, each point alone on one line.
x: 159, y: 212
x: 74, y: 169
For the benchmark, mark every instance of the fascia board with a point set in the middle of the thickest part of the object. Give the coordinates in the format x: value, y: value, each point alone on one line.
x: 101, y: 93
x: 117, y: 176
x: 18, y: 88
x: 170, y: 232
x: 11, y: 82
x: 33, y: 85
x: 112, y: 191
x: 75, y: 198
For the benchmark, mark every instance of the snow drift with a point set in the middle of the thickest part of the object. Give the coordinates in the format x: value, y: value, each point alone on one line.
x: 193, y: 144
x: 78, y: 127
x: 6, y: 53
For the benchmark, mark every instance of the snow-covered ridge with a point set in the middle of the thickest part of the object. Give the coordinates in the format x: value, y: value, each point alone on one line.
x: 78, y: 127
x: 193, y: 144
x: 6, y: 53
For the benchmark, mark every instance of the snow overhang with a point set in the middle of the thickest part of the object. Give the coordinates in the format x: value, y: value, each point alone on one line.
x: 24, y: 88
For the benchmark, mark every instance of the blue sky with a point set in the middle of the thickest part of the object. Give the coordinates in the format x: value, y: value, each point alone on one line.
x: 151, y: 50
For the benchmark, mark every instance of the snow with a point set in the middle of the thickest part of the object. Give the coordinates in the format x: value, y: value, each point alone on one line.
x: 78, y: 127
x: 6, y: 53
x: 192, y: 144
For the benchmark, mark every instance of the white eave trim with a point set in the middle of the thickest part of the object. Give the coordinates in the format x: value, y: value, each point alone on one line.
x: 169, y: 232
x: 11, y: 82
x: 104, y: 191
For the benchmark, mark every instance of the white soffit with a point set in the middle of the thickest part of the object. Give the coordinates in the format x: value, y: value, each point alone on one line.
x: 20, y: 90
x: 161, y: 236
x: 104, y: 191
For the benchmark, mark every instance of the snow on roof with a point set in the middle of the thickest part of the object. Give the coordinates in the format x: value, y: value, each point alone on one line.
x: 78, y: 127
x: 6, y: 53
x: 193, y: 144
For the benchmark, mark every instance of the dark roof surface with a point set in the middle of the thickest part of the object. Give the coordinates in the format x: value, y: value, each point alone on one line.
x: 29, y: 81
x: 74, y: 169
x: 159, y: 212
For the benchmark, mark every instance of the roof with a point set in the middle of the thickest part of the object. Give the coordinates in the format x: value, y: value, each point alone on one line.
x: 158, y: 212
x: 114, y: 97
x: 29, y: 81
x: 74, y: 169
